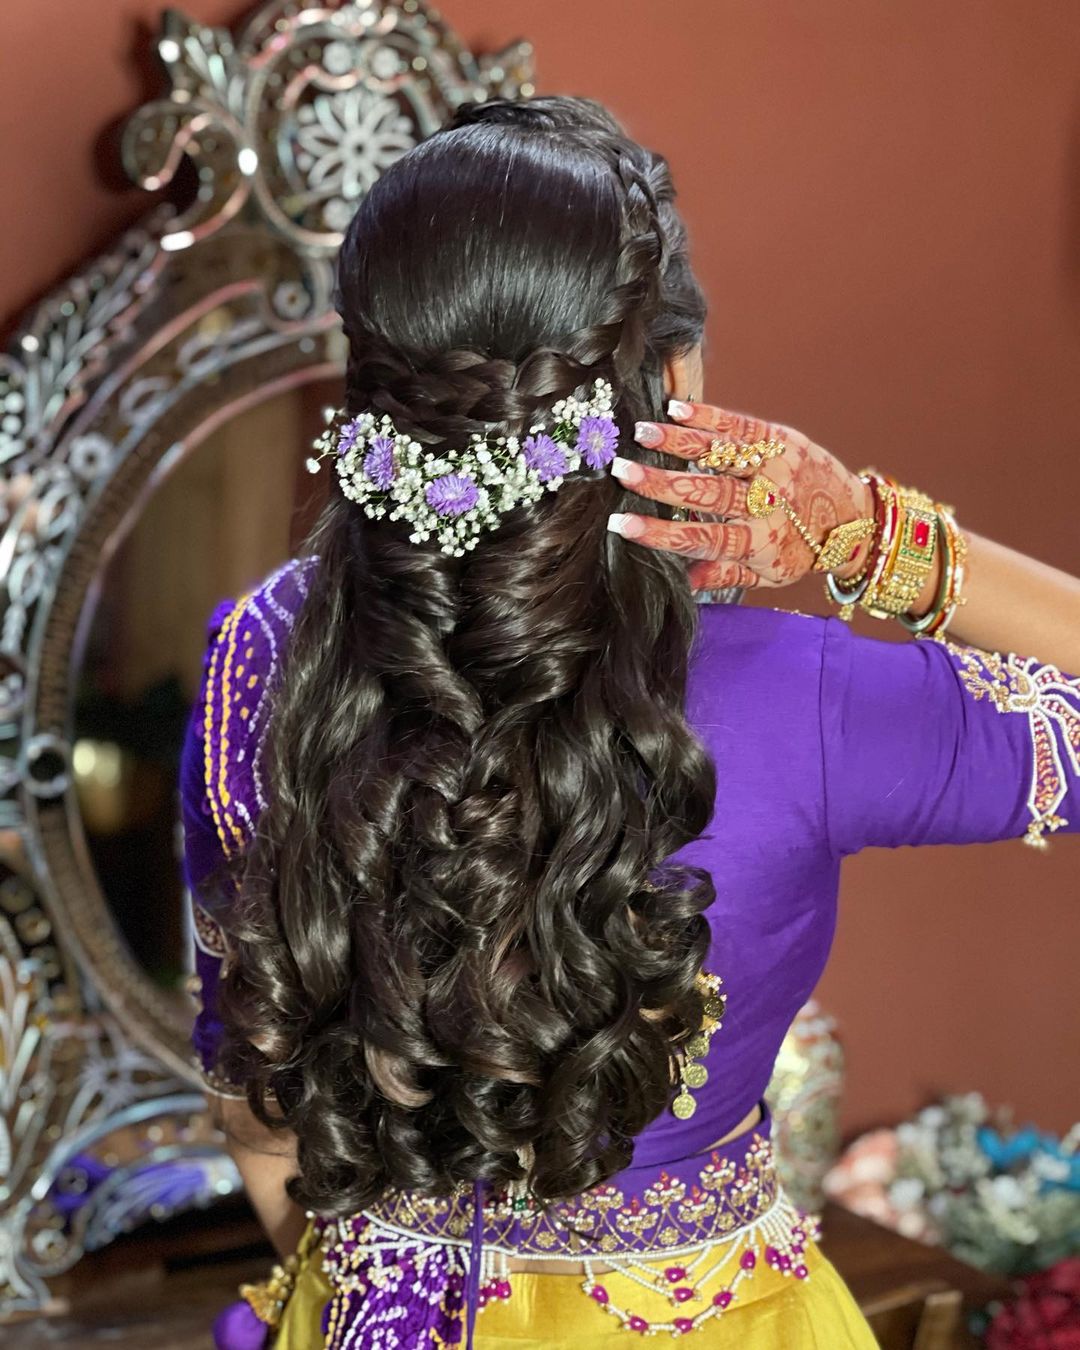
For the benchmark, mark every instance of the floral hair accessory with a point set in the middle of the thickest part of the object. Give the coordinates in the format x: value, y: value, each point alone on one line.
x: 457, y: 494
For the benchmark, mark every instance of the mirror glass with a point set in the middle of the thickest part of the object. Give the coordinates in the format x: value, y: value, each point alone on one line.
x: 234, y: 508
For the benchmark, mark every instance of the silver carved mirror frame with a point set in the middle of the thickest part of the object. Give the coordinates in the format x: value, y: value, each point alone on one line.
x: 194, y: 315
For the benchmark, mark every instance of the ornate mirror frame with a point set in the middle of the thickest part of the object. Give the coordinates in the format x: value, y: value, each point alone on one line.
x: 191, y: 317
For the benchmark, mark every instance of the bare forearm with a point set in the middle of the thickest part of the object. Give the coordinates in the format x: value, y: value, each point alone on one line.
x: 264, y: 1177
x: 1015, y: 604
x: 266, y: 1160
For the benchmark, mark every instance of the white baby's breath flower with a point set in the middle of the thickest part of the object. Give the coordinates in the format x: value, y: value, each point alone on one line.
x: 498, y: 476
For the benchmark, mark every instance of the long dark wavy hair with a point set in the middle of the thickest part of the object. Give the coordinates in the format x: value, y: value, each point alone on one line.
x: 461, y: 949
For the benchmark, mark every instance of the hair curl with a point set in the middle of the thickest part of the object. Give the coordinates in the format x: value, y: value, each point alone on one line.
x: 459, y: 933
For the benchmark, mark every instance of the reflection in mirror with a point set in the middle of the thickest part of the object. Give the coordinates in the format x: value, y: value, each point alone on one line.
x: 235, y: 507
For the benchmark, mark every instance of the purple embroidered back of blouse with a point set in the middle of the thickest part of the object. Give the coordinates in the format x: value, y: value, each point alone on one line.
x: 825, y: 743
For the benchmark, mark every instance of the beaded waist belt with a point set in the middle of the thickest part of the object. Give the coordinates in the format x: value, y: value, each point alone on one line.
x: 423, y: 1266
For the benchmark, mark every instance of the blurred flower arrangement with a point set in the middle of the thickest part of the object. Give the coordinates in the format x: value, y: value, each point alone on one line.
x: 1004, y: 1199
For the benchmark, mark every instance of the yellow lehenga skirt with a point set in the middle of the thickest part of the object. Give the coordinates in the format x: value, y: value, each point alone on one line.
x: 550, y: 1312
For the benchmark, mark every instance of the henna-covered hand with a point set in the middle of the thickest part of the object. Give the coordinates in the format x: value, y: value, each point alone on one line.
x: 738, y: 550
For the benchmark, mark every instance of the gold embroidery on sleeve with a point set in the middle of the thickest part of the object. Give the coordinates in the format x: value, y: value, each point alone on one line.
x: 220, y: 697
x: 1051, y: 703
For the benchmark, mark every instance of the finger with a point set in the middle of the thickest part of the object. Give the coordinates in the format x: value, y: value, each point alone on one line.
x: 733, y: 426
x: 690, y: 539
x: 719, y: 576
x: 690, y: 443
x: 686, y: 442
x: 716, y: 494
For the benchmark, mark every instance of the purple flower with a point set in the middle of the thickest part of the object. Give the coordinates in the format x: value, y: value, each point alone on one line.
x: 452, y: 495
x: 347, y: 436
x: 597, y: 440
x: 379, y: 462
x: 542, y: 454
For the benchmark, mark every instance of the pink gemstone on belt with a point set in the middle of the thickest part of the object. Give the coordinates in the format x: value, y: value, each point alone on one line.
x: 684, y: 1324
x: 638, y: 1324
x: 772, y: 1255
x: 801, y: 1273
x: 599, y: 1293
x: 748, y: 1261
x: 723, y: 1298
x: 502, y: 1289
x: 683, y: 1293
x: 674, y: 1273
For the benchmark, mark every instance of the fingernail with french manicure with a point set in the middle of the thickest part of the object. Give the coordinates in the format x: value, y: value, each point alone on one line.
x: 647, y: 433
x: 679, y: 410
x: 628, y: 526
x: 626, y: 470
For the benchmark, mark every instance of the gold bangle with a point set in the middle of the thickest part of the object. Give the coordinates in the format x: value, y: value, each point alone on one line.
x: 911, y: 560
x: 950, y: 596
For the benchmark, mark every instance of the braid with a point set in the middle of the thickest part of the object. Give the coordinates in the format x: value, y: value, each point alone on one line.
x: 446, y: 395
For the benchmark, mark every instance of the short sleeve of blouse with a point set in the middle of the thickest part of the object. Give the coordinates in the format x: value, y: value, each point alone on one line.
x: 221, y: 787
x: 205, y: 867
x: 926, y: 742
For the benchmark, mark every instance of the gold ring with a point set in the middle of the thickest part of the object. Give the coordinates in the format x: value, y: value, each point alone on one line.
x: 762, y: 497
x: 730, y: 456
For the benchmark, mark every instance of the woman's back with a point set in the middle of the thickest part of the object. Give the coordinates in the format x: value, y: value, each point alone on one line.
x: 819, y: 754
x: 773, y: 916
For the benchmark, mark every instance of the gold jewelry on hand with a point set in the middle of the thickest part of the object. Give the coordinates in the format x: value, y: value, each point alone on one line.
x: 730, y: 456
x: 842, y: 541
x: 897, y: 588
x: 850, y: 592
x: 763, y: 497
x: 912, y: 530
x: 954, y: 548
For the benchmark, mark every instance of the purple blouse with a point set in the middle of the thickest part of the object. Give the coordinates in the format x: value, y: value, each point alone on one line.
x: 825, y: 743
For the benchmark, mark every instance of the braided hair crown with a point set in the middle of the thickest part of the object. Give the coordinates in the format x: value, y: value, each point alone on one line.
x: 651, y: 303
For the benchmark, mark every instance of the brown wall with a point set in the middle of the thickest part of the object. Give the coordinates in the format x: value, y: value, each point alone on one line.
x: 885, y: 207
